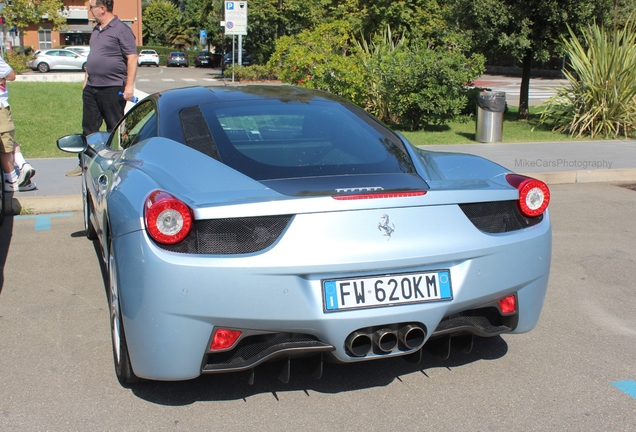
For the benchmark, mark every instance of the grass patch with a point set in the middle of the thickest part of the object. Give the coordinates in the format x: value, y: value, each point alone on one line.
x: 514, y: 131
x: 43, y: 112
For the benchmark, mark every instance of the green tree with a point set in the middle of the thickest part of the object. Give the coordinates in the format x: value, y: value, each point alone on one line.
x: 526, y: 29
x: 22, y: 13
x: 157, y: 23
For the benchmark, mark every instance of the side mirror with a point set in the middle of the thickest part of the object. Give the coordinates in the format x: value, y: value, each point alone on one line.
x: 75, y: 143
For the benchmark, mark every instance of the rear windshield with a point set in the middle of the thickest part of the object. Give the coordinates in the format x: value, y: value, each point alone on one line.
x: 271, y: 139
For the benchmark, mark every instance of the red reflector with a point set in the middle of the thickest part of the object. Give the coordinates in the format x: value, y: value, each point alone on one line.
x: 508, y: 305
x: 223, y: 339
x: 379, y: 195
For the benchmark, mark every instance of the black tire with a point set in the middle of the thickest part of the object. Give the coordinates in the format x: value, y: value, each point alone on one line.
x: 89, y: 229
x: 43, y: 67
x: 84, y: 67
x: 123, y: 367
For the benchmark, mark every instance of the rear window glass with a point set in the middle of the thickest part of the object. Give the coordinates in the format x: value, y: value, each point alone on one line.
x: 273, y: 140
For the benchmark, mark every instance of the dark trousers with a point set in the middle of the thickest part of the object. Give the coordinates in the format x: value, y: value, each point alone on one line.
x: 102, y: 104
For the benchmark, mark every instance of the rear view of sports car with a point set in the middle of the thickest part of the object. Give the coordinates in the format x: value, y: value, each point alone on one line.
x: 246, y: 224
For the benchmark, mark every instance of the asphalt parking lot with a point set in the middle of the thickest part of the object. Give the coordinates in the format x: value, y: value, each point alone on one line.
x: 574, y: 372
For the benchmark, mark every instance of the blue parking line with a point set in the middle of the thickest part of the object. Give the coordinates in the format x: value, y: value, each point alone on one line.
x: 43, y: 222
x: 627, y: 386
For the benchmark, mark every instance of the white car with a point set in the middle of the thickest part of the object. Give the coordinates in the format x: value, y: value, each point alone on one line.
x: 148, y: 57
x: 83, y: 50
x: 57, y: 59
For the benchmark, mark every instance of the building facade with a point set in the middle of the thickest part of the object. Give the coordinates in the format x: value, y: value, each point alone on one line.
x: 79, y: 24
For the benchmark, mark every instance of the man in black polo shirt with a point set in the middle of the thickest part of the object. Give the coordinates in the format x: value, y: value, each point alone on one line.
x: 111, y: 69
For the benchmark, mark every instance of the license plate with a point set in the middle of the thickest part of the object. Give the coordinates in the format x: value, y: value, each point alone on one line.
x: 203, y: 61
x: 392, y: 290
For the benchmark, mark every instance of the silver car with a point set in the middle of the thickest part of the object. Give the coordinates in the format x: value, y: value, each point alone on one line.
x: 57, y: 59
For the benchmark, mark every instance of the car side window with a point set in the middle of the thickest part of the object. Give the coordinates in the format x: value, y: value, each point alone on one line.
x: 139, y: 124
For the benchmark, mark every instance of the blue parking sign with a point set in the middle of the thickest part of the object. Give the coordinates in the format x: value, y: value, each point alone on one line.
x: 229, y: 5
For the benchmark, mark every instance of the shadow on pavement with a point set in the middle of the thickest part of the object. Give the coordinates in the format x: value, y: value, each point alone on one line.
x: 337, y: 378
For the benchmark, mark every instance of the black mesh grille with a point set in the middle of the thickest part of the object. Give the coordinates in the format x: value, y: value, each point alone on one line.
x: 498, y: 216
x: 231, y: 236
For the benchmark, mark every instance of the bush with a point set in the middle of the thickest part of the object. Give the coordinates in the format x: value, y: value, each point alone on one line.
x: 323, y: 59
x: 252, y: 73
x: 601, y: 96
x: 18, y: 62
x: 424, y: 85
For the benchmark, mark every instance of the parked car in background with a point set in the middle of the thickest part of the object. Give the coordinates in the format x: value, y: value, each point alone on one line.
x: 246, y: 59
x: 177, y: 58
x: 302, y: 226
x: 57, y: 59
x: 80, y: 49
x: 148, y: 57
x: 207, y: 59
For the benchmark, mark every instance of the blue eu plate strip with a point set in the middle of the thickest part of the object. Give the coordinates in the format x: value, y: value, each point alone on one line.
x: 444, y: 285
x: 331, y: 295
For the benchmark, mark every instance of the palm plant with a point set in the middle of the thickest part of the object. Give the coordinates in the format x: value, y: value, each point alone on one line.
x: 601, y: 96
x: 373, y: 54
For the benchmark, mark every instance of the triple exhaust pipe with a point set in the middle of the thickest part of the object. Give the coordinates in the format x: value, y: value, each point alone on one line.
x: 383, y: 340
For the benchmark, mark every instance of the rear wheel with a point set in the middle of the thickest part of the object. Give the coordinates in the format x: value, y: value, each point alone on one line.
x: 123, y: 368
x: 43, y: 67
x: 84, y: 67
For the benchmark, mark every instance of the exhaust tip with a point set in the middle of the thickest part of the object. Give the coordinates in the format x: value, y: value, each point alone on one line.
x: 358, y: 344
x: 385, y: 340
x: 412, y: 336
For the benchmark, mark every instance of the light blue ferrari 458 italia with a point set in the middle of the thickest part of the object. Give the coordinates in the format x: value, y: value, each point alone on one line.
x: 246, y: 224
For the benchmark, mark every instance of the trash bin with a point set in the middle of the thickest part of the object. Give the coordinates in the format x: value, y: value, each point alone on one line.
x: 490, y: 111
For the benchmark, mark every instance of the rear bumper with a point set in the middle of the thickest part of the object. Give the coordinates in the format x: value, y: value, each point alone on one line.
x: 171, y: 303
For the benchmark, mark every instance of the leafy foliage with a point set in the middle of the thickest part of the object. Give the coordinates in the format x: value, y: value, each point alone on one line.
x: 21, y: 13
x: 424, y: 85
x: 601, y: 96
x: 404, y: 82
x: 323, y: 59
x: 18, y: 62
x: 158, y: 20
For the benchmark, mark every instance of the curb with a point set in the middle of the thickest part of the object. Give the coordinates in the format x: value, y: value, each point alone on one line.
x: 45, y: 204
x: 70, y: 203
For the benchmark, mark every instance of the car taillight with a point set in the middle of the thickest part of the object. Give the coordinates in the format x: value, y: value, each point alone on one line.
x: 534, y: 195
x: 224, y: 339
x: 168, y: 220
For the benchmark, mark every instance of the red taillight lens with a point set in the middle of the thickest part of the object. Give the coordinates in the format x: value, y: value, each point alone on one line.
x: 379, y: 195
x: 534, y: 195
x: 168, y: 220
x: 508, y: 305
x: 224, y: 339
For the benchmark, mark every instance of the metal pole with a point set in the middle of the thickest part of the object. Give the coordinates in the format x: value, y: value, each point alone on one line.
x: 233, y: 40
